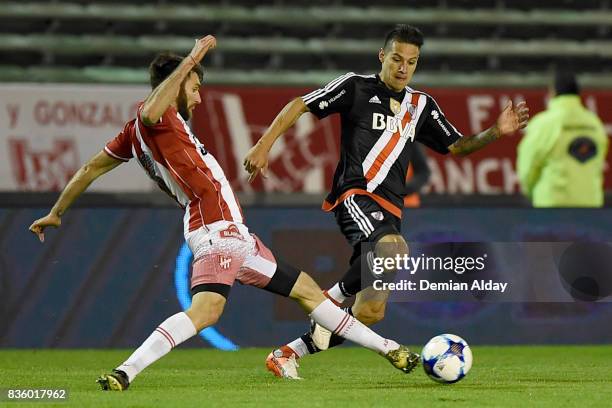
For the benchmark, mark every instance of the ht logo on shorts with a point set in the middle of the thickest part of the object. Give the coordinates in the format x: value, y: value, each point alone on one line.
x: 225, y: 261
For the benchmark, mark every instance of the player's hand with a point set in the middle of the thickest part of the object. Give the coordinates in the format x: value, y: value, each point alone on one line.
x: 38, y: 226
x: 255, y: 161
x: 201, y: 47
x: 513, y: 118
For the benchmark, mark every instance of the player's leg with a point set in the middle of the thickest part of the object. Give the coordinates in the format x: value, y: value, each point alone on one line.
x: 262, y: 270
x: 322, y: 310
x: 205, y: 310
x: 370, y: 304
x: 214, y: 271
x: 325, y: 313
x: 384, y: 242
x: 368, y: 228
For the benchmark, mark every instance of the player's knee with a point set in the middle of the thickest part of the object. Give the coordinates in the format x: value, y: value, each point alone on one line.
x: 391, y: 245
x: 204, y: 319
x: 370, y: 314
x: 205, y: 313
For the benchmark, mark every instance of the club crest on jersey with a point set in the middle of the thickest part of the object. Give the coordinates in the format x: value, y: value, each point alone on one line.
x: 225, y: 261
x: 412, y: 110
x: 395, y: 106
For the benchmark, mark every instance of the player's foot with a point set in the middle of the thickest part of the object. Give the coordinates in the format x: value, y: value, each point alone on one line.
x: 282, y: 363
x: 403, y: 359
x: 115, y: 381
x: 320, y: 335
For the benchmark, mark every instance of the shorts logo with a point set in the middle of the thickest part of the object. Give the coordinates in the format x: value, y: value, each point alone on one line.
x: 231, y: 232
x: 225, y: 261
x: 377, y: 215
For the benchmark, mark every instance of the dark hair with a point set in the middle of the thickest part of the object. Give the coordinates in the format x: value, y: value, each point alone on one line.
x: 164, y: 64
x: 565, y: 83
x: 404, y: 33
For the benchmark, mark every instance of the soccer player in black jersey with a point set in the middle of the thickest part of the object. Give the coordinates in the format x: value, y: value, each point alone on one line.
x: 381, y: 120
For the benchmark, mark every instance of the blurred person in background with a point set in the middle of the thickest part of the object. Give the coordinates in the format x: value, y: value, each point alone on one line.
x: 560, y: 161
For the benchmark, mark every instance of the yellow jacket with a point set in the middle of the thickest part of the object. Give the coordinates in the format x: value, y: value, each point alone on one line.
x: 561, y: 158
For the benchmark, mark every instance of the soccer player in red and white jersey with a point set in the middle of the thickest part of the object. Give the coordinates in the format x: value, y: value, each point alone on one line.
x: 382, y: 118
x: 224, y: 250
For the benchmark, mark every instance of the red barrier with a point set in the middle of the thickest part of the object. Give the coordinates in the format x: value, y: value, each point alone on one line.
x: 231, y: 119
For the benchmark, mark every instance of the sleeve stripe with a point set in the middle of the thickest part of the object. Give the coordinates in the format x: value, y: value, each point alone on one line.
x: 107, y: 150
x: 328, y: 88
x: 331, y: 83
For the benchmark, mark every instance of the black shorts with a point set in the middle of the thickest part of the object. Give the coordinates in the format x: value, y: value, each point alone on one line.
x: 363, y: 220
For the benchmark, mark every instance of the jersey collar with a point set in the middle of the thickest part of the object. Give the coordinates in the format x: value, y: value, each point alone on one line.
x: 397, y: 95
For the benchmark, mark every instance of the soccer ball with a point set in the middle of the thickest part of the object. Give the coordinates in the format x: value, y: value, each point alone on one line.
x: 446, y: 358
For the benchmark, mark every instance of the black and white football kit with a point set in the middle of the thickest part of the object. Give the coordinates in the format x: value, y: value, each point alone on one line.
x: 379, y: 128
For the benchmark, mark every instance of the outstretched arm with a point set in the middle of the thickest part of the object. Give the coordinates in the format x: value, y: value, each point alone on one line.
x: 94, y: 168
x: 511, y: 119
x: 257, y: 158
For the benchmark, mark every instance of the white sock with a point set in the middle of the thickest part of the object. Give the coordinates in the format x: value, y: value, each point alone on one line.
x: 336, y: 294
x: 299, y: 347
x: 172, y: 332
x: 343, y: 324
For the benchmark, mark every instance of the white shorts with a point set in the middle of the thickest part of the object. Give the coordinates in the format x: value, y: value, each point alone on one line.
x: 224, y: 252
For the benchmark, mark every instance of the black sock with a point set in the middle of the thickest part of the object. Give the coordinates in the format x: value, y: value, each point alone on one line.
x: 350, y: 283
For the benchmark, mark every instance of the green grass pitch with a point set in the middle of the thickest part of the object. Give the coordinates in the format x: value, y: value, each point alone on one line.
x: 542, y: 376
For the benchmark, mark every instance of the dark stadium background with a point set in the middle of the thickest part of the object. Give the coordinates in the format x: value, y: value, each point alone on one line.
x: 72, y: 70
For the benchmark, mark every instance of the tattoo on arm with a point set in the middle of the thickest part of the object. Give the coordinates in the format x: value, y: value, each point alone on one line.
x: 467, y: 145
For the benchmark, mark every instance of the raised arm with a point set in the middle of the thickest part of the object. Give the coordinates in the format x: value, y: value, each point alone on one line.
x: 98, y: 165
x: 511, y: 119
x: 166, y: 93
x: 257, y: 158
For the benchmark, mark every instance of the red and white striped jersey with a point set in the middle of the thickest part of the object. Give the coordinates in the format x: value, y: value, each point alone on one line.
x: 177, y: 161
x: 379, y: 129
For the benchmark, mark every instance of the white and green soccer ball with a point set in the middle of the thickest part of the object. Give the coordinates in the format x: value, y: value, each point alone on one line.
x: 446, y: 358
